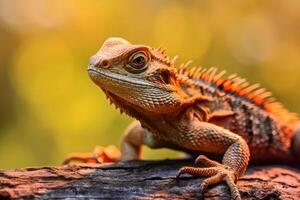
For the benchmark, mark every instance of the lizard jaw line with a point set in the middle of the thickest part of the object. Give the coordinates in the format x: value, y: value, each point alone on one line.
x: 116, y: 77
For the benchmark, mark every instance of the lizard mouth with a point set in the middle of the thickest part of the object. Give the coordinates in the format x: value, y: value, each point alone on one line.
x: 99, y: 75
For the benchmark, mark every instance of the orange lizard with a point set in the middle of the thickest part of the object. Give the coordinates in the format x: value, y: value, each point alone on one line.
x: 196, y: 111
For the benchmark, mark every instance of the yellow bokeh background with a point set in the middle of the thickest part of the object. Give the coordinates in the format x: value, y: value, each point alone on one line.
x: 48, y: 105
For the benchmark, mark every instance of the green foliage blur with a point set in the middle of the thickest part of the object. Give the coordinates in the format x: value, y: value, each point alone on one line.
x: 48, y: 105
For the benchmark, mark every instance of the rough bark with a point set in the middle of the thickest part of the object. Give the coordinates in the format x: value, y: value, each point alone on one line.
x: 141, y: 180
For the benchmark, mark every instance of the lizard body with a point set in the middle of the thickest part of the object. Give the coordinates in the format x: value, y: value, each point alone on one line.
x: 195, y: 111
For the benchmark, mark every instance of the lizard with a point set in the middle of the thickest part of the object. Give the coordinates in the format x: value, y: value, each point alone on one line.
x: 195, y: 110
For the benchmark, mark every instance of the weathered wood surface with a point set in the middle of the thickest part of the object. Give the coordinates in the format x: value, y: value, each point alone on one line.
x: 141, y: 180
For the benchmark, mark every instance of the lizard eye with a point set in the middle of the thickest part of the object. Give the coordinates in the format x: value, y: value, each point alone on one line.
x: 138, y: 62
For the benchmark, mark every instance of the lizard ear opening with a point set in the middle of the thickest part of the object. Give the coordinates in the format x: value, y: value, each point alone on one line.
x: 165, y: 77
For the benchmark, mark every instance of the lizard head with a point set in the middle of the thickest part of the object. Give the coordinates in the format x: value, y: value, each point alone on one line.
x: 135, y: 75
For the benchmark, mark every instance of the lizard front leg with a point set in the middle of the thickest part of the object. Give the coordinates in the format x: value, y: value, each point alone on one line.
x: 214, y: 139
x: 133, y: 138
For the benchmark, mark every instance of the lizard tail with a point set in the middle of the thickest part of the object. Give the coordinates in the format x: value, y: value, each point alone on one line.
x: 296, y: 143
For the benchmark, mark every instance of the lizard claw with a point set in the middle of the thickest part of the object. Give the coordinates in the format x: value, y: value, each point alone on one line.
x: 179, y: 173
x: 214, y: 173
x: 203, y: 187
x: 99, y: 155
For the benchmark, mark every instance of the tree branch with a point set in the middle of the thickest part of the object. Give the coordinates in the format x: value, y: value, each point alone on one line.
x: 141, y: 180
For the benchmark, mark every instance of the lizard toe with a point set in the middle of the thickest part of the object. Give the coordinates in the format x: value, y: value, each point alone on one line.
x: 206, y: 161
x: 215, y: 174
x: 203, y: 172
x: 99, y: 155
x: 230, y: 180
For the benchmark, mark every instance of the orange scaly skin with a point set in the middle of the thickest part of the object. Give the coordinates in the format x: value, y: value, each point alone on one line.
x: 195, y: 111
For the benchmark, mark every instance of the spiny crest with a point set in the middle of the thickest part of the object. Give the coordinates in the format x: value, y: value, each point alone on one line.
x: 112, y: 101
x: 239, y: 86
x: 159, y: 54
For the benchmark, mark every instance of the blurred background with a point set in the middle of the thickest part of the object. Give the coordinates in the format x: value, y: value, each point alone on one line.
x: 48, y: 105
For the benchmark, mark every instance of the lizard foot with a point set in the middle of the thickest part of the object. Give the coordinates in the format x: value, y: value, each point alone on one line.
x: 99, y: 155
x: 215, y: 172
